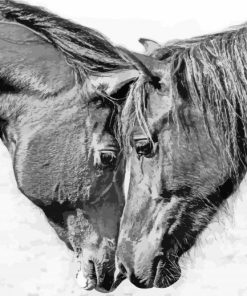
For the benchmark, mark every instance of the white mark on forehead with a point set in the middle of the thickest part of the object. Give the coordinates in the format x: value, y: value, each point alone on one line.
x: 127, y: 178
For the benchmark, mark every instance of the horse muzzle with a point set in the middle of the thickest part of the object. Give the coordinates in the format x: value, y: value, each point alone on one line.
x: 95, y: 276
x: 161, y: 272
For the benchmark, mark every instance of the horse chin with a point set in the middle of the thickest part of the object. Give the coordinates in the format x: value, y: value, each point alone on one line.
x: 167, y: 273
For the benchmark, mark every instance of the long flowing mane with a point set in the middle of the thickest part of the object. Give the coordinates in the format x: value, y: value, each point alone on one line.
x: 81, y: 45
x: 209, y: 72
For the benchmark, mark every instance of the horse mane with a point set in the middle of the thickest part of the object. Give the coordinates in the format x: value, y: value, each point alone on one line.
x: 175, y: 46
x: 209, y: 72
x: 80, y: 45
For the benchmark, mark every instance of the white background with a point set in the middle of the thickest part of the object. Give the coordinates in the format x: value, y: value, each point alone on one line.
x: 33, y: 262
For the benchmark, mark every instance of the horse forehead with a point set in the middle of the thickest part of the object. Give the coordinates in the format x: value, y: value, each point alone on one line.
x: 159, y: 101
x: 159, y: 106
x: 98, y: 115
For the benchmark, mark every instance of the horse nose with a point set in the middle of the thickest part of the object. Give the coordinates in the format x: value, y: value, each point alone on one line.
x: 93, y: 275
x: 123, y: 271
x: 156, y: 271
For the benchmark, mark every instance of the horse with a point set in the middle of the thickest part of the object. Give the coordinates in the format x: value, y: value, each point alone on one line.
x: 56, y: 120
x: 184, y: 129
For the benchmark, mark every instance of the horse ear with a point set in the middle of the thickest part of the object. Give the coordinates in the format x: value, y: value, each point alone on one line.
x: 149, y: 45
x: 113, y: 81
x: 30, y: 61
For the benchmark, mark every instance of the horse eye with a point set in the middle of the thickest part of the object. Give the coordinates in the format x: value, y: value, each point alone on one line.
x: 144, y: 148
x: 108, y: 158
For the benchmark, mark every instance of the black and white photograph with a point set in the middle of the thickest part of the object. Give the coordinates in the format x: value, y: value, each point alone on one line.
x: 123, y: 154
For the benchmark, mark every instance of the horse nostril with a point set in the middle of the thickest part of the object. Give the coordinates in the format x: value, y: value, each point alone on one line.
x: 122, y: 269
x: 142, y: 284
x: 92, y: 269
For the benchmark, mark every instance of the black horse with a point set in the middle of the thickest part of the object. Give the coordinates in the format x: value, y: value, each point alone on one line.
x: 184, y: 126
x: 58, y: 126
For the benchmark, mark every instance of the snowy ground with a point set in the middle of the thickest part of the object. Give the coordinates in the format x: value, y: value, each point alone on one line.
x: 33, y: 262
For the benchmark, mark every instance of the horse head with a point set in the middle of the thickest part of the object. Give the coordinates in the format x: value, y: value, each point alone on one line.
x: 57, y: 122
x: 185, y: 139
